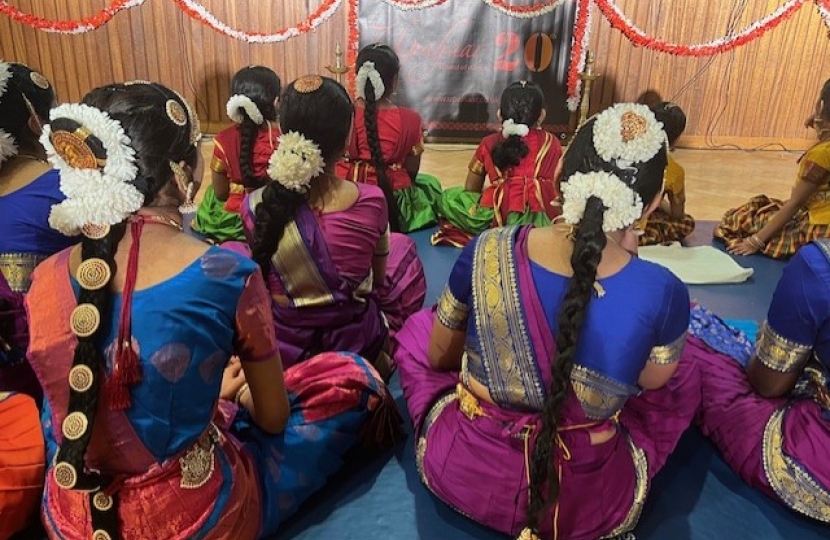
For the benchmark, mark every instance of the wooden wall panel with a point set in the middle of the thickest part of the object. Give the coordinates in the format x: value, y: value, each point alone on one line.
x: 757, y: 95
x: 156, y: 41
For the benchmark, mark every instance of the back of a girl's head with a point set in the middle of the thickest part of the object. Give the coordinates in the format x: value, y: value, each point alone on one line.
x: 645, y: 178
x: 672, y: 117
x: 159, y: 131
x: 522, y: 102
x: 386, y: 63
x: 320, y: 109
x: 261, y: 85
x: 23, y: 85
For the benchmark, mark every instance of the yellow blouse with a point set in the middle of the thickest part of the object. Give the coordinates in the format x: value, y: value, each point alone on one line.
x: 675, y: 177
x: 815, y: 168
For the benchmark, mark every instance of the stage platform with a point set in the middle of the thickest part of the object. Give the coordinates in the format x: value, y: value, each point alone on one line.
x: 695, y: 497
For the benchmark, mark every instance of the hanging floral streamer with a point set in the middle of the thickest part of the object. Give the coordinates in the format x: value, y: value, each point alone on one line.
x: 410, y: 5
x: 523, y: 12
x: 192, y: 8
x: 619, y: 21
x: 579, y: 51
x: 824, y: 10
x: 198, y: 12
x: 68, y: 27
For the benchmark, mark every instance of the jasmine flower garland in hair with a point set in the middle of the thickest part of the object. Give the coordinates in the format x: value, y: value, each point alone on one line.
x: 624, y: 205
x: 98, y: 196
x: 8, y: 146
x: 367, y: 72
x: 295, y: 162
x: 240, y: 101
x: 509, y: 127
x: 629, y: 133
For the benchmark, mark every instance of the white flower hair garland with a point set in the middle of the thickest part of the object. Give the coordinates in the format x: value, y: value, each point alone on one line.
x: 8, y: 146
x: 95, y: 195
x: 628, y: 132
x: 367, y: 72
x: 509, y: 127
x: 239, y: 101
x: 624, y: 205
x: 295, y: 162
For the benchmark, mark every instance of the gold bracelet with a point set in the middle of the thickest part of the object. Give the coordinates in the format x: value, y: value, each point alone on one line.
x: 244, y: 388
x: 757, y: 242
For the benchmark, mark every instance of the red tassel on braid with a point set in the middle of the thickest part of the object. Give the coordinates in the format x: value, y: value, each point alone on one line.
x: 126, y: 368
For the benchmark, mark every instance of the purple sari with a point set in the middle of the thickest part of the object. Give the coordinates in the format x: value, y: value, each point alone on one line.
x: 15, y: 373
x: 777, y: 445
x: 603, y: 486
x: 316, y: 308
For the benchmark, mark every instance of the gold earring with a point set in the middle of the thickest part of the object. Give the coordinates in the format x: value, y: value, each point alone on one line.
x: 185, y: 185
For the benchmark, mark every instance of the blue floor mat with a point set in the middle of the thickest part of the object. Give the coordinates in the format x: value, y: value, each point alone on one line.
x: 696, y: 496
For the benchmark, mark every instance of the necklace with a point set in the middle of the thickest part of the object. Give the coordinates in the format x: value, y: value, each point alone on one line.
x: 33, y: 158
x: 155, y: 219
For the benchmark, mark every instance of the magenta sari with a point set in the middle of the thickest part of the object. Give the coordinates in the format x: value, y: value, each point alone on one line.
x: 473, y: 454
x: 321, y: 281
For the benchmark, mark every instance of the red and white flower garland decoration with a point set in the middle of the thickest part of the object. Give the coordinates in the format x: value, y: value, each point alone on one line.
x: 192, y: 8
x: 411, y: 5
x: 619, y: 21
x: 523, y: 12
x: 824, y: 10
x: 579, y: 51
x: 79, y: 26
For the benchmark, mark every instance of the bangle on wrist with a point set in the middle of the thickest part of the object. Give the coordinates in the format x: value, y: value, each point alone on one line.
x: 756, y: 241
x: 239, y: 393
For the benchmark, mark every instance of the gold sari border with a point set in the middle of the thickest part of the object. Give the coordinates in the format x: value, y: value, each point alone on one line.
x: 600, y: 396
x: 638, y: 457
x: 791, y: 482
x: 779, y: 353
x: 476, y: 167
x: 17, y: 268
x: 507, y: 356
x: 452, y: 312
x: 668, y: 354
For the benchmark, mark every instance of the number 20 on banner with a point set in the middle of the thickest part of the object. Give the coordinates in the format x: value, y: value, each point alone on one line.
x: 538, y: 51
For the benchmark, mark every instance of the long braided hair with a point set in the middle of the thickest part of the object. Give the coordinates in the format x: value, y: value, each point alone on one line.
x: 27, y: 93
x: 262, y: 86
x: 523, y: 103
x: 646, y: 180
x: 324, y: 116
x: 388, y: 65
x: 142, y: 110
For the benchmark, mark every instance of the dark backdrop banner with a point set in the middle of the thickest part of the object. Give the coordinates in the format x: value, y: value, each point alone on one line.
x: 456, y: 58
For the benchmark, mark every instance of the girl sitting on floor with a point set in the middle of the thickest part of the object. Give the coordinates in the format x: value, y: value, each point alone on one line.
x: 767, y: 409
x: 670, y: 223
x: 519, y: 162
x: 241, y: 152
x: 28, y: 189
x: 778, y: 229
x: 152, y: 431
x: 339, y: 281
x: 387, y: 143
x: 547, y: 388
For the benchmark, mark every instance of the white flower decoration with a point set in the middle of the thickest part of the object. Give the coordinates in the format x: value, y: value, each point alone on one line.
x: 628, y: 132
x: 8, y: 147
x: 5, y: 76
x: 295, y: 162
x: 624, y: 205
x: 239, y: 101
x: 509, y: 127
x: 102, y: 196
x: 367, y: 72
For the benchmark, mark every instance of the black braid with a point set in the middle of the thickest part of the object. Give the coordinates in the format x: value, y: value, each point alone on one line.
x: 248, y: 134
x: 587, y: 253
x: 272, y: 215
x: 521, y: 102
x: 371, y: 117
x: 262, y: 86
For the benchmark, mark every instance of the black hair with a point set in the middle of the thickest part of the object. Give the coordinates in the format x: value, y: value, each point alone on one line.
x: 324, y: 116
x: 25, y: 91
x: 143, y: 110
x: 824, y: 97
x: 262, y: 86
x: 646, y: 179
x: 388, y: 65
x: 672, y: 117
x: 523, y: 103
